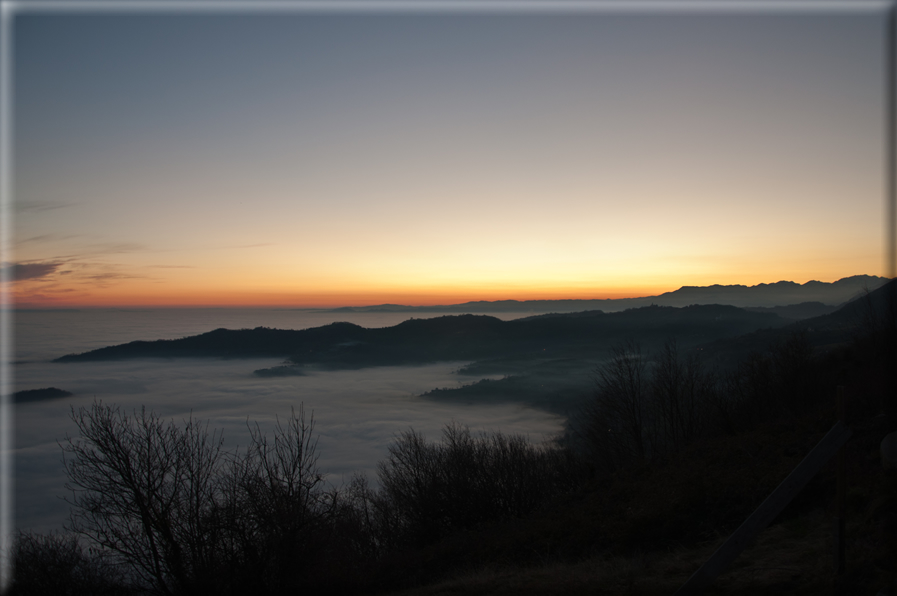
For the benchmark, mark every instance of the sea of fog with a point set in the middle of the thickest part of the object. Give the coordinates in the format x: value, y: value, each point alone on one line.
x: 357, y: 413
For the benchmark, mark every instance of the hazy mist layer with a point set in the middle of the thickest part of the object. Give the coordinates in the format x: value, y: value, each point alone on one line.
x: 357, y: 413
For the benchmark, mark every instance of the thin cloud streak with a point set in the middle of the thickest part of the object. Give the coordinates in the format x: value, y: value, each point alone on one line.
x: 45, y: 238
x: 40, y: 206
x: 25, y: 271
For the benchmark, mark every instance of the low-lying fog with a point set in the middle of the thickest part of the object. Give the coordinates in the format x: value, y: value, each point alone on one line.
x: 357, y: 413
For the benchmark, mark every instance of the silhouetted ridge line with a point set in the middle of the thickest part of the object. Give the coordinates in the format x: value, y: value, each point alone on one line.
x: 453, y: 337
x: 777, y: 294
x: 29, y: 395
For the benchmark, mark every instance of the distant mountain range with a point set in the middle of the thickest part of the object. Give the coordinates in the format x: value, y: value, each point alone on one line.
x: 547, y: 360
x: 473, y: 337
x: 811, y: 299
x: 451, y: 337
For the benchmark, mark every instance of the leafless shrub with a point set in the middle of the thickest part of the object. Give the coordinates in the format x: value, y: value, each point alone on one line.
x: 644, y: 407
x: 277, y: 509
x: 141, y: 488
x: 188, y: 517
x: 430, y: 489
x: 616, y: 423
x: 59, y: 564
x: 681, y: 393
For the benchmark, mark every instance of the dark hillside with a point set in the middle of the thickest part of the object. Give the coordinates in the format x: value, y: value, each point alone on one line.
x: 645, y: 528
x: 460, y: 337
x: 823, y: 333
x: 797, y: 312
x: 227, y: 343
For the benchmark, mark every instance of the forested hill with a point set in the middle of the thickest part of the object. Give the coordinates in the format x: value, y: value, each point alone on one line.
x: 461, y: 337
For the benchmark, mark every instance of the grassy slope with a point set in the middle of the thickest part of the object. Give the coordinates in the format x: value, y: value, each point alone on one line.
x: 646, y: 531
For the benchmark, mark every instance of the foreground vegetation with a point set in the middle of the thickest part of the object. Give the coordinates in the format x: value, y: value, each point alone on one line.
x: 666, y: 460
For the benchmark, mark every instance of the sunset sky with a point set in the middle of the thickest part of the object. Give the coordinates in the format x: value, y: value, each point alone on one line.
x: 310, y: 158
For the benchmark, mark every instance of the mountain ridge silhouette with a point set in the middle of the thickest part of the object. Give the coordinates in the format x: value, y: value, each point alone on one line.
x: 764, y: 295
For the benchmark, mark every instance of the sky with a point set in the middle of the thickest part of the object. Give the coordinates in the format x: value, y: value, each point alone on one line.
x: 310, y: 158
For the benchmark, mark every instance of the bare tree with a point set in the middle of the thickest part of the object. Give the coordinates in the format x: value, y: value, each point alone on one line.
x: 279, y: 508
x: 141, y: 487
x: 616, y: 422
x: 188, y: 517
x: 644, y: 407
x: 411, y: 482
x: 680, y: 389
x: 430, y: 489
x: 59, y: 564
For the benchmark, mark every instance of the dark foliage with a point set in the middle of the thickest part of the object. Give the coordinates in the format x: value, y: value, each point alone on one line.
x: 59, y: 564
x: 647, y: 406
x: 433, y: 489
x: 183, y: 516
x: 186, y: 516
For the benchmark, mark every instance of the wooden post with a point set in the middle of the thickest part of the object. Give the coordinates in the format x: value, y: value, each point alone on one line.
x: 821, y: 454
x: 840, y: 520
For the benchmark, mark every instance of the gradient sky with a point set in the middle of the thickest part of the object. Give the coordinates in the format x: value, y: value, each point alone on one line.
x: 310, y: 159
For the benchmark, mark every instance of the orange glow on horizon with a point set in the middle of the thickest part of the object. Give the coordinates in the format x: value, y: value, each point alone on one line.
x: 160, y: 296
x: 573, y: 168
x: 323, y: 300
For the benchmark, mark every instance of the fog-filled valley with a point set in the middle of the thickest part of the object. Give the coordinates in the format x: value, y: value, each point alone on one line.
x: 529, y: 374
x: 357, y: 412
x: 422, y: 430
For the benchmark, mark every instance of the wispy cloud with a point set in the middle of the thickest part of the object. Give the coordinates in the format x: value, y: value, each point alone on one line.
x: 40, y: 206
x: 109, y: 276
x: 101, y: 275
x: 44, y: 238
x: 23, y: 271
x: 170, y: 267
x: 44, y: 280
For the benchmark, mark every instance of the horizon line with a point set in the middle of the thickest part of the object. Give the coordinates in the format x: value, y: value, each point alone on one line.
x: 29, y: 306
